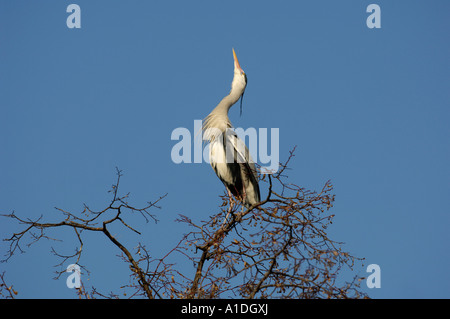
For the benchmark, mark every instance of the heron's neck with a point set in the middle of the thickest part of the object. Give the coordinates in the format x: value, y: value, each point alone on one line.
x: 218, y: 118
x: 227, y: 102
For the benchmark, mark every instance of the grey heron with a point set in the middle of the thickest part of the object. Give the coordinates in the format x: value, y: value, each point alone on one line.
x: 228, y: 154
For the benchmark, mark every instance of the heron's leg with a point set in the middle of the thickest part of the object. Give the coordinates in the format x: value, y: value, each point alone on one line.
x: 230, y: 196
x: 244, y: 195
x: 230, y: 209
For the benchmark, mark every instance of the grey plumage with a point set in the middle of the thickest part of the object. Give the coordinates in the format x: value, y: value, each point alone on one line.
x: 229, y: 157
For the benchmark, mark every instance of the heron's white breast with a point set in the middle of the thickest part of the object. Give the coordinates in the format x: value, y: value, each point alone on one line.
x: 218, y: 161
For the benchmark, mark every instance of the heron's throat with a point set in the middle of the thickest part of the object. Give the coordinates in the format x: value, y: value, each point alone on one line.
x: 217, y: 121
x: 229, y: 100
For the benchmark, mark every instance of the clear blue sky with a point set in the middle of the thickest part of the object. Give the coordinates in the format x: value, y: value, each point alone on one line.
x: 368, y: 108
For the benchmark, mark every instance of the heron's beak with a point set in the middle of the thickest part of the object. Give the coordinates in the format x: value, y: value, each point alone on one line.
x: 238, y: 67
x: 236, y: 62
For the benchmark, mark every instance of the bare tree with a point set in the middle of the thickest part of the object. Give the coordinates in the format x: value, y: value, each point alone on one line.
x: 6, y: 291
x: 278, y: 248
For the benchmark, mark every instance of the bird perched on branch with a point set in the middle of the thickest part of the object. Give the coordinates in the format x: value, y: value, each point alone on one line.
x: 229, y: 156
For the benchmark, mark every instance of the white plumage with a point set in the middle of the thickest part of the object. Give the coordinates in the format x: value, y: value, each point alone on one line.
x: 229, y: 157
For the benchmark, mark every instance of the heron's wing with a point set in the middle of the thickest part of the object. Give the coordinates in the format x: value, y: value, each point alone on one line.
x: 241, y: 153
x: 227, y: 169
x: 242, y: 156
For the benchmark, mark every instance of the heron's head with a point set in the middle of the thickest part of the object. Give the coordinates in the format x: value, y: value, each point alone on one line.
x: 240, y: 78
